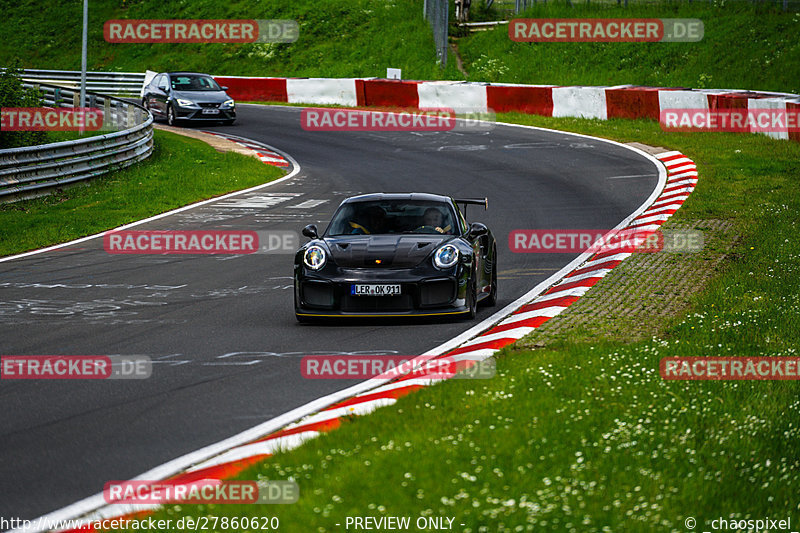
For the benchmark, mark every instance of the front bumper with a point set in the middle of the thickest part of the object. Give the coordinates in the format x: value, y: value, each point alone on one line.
x: 430, y: 294
x: 193, y: 113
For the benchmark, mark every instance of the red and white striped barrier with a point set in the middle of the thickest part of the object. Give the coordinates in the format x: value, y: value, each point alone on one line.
x: 548, y: 100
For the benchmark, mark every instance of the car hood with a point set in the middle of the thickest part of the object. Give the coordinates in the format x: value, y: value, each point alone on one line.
x: 393, y: 251
x: 202, y: 96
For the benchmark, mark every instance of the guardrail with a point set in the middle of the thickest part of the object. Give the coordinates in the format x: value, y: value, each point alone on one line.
x: 31, y: 171
x: 118, y: 83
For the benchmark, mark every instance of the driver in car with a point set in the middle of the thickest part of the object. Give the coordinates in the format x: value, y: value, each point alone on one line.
x: 433, y: 218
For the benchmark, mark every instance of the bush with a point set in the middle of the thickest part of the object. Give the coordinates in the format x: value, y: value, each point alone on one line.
x: 13, y: 94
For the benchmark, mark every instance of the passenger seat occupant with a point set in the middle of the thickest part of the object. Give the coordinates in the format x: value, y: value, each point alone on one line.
x: 375, y: 224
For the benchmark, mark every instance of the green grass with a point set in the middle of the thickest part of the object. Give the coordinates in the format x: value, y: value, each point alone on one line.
x: 744, y: 47
x: 337, y: 39
x: 586, y: 436
x: 180, y: 171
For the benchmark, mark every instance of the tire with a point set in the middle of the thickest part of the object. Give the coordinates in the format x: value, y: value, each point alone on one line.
x: 491, y: 300
x: 472, y: 311
x: 144, y: 105
x: 171, y: 120
x: 228, y: 122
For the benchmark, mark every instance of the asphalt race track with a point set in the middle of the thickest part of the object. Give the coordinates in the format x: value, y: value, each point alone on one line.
x: 221, y: 330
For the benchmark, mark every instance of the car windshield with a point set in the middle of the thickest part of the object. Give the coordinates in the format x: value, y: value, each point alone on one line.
x: 393, y: 216
x: 193, y: 82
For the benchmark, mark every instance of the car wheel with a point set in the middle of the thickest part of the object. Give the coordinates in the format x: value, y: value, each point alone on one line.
x: 491, y: 300
x: 146, y: 106
x: 228, y: 122
x: 171, y: 120
x: 472, y: 296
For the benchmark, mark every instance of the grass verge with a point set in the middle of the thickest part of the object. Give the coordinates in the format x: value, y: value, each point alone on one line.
x: 181, y: 171
x: 745, y: 46
x: 337, y: 39
x: 584, y: 435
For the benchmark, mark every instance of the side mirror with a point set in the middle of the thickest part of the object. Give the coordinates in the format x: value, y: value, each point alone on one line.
x: 476, y: 229
x: 310, y: 231
x: 224, y: 88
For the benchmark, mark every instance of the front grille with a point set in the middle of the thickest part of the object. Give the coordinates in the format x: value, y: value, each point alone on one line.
x: 439, y: 292
x: 377, y: 303
x: 317, y: 294
x: 208, y: 104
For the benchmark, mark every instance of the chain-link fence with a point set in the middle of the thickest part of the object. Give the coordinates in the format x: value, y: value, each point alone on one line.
x: 436, y: 12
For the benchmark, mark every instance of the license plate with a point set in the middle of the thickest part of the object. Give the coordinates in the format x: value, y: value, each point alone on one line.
x: 210, y: 111
x: 375, y: 290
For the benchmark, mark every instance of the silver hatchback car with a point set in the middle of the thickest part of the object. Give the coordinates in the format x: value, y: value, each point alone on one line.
x: 188, y: 96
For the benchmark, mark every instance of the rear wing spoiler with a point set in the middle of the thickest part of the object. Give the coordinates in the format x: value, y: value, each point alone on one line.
x: 475, y: 201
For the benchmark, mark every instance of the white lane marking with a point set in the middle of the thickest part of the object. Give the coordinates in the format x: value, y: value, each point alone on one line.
x: 463, y: 148
x: 631, y: 176
x: 308, y: 204
x: 543, y: 144
x: 262, y: 201
x: 293, y: 173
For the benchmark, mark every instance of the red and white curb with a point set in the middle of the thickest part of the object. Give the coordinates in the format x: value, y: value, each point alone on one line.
x: 361, y: 399
x: 265, y: 153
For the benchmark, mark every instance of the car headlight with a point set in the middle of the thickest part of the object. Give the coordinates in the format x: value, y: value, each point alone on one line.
x: 185, y: 103
x: 315, y: 257
x: 445, y: 257
x: 228, y: 103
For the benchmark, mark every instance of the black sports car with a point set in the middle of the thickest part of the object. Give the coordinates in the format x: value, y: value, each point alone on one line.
x: 396, y: 255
